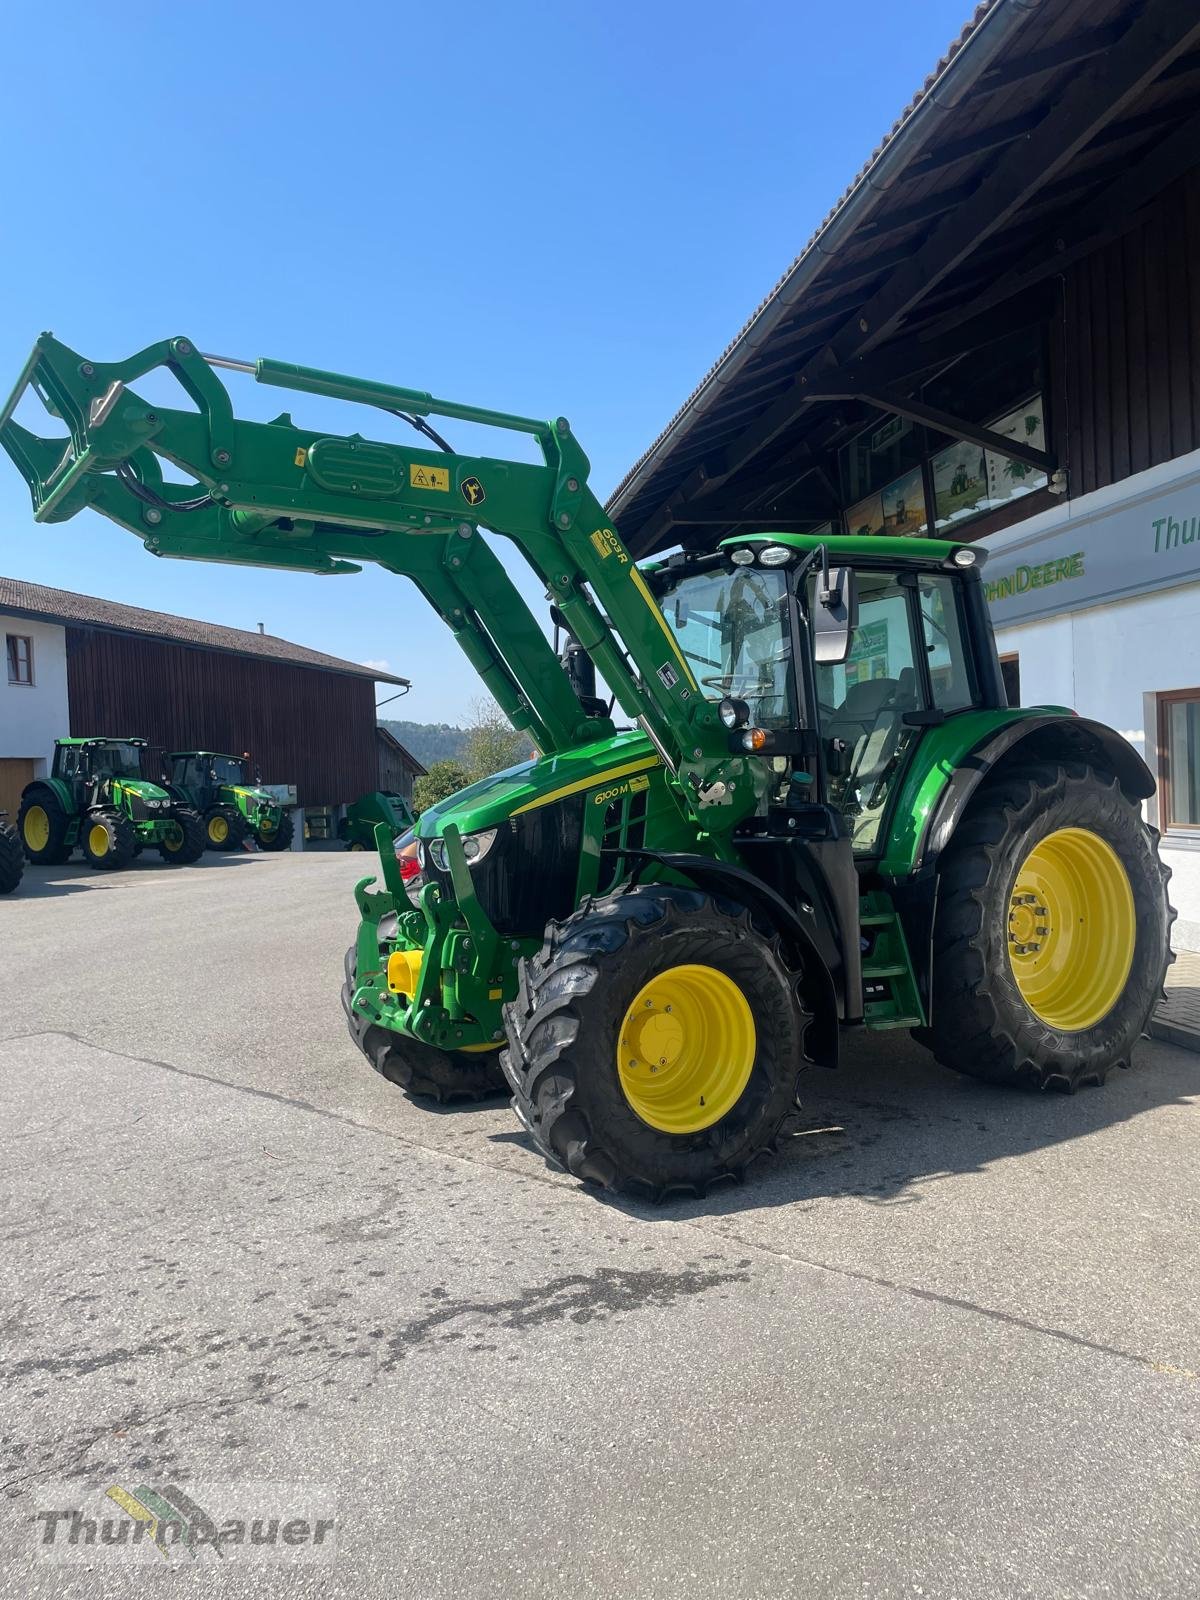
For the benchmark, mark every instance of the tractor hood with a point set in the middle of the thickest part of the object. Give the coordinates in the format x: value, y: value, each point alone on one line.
x: 540, y: 782
x: 257, y: 797
x: 148, y: 792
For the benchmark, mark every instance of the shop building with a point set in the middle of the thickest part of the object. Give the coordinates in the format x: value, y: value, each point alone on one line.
x: 995, y: 336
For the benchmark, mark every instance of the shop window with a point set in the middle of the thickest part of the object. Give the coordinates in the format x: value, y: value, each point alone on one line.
x: 19, y: 651
x: 1179, y: 757
x: 968, y: 480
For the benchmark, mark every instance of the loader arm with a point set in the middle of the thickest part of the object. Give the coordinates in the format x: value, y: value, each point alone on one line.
x: 281, y: 495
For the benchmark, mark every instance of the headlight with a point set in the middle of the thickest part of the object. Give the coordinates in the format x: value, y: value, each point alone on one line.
x: 774, y: 555
x: 474, y: 846
x: 964, y: 558
x: 733, y: 713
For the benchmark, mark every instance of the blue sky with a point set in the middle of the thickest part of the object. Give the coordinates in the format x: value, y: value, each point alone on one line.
x: 545, y: 209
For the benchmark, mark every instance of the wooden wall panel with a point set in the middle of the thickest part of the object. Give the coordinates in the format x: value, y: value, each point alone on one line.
x: 304, y: 726
x: 1133, y: 345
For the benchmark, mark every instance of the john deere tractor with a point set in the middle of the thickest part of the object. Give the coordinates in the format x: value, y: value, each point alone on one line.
x: 12, y: 857
x: 356, y: 829
x: 224, y: 792
x: 821, y: 814
x: 96, y: 798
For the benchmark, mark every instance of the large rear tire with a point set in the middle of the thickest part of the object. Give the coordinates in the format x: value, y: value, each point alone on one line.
x: 656, y: 1041
x: 225, y: 829
x: 1052, y: 935
x: 426, y: 1073
x: 12, y: 857
x: 279, y: 838
x: 42, y: 824
x: 182, y: 844
x: 107, y: 839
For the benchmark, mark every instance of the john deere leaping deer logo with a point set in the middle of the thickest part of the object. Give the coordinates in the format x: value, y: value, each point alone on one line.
x: 472, y: 491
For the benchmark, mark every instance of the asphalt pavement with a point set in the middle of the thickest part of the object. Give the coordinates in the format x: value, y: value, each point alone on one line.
x: 946, y: 1346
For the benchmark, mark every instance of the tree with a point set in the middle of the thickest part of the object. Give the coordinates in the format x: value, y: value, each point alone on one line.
x: 492, y: 743
x: 443, y: 779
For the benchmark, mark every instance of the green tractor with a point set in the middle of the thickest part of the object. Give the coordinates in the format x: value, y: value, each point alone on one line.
x: 356, y: 829
x: 96, y: 798
x: 223, y: 791
x: 821, y: 816
x: 12, y: 857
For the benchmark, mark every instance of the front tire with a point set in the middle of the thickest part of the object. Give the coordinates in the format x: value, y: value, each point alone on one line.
x: 107, y: 839
x: 655, y: 1043
x: 279, y: 838
x: 1052, y: 936
x: 426, y: 1073
x: 12, y: 858
x: 182, y: 843
x: 225, y: 829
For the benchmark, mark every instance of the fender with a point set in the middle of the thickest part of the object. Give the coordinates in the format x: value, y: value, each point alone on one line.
x: 1048, y: 737
x: 738, y: 883
x: 56, y: 787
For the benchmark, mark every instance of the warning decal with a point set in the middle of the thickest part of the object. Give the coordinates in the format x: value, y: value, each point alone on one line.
x: 429, y: 478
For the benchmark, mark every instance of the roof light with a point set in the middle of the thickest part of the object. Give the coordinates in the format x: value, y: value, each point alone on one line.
x: 774, y: 555
x: 742, y: 558
x: 964, y: 558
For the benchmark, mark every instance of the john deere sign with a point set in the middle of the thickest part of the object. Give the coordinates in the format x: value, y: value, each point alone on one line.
x: 1106, y: 546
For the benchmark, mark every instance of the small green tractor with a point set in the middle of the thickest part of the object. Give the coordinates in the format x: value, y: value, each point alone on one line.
x: 223, y: 791
x: 820, y: 816
x: 96, y: 798
x: 12, y: 857
x: 356, y: 829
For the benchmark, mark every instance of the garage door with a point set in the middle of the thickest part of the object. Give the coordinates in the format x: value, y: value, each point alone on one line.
x: 15, y: 773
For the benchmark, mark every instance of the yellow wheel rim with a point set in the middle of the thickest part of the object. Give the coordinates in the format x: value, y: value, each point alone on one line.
x: 172, y: 837
x: 266, y: 829
x: 98, y: 840
x: 37, y: 828
x: 1072, y: 929
x: 686, y: 1049
x: 218, y: 829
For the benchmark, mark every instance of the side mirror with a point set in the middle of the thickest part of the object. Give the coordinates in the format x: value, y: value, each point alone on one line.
x: 835, y: 615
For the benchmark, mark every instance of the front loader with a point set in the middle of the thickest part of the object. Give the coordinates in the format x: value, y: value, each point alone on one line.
x: 96, y: 798
x: 225, y: 793
x: 821, y: 815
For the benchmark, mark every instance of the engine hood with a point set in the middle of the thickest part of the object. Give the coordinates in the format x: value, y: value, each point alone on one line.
x: 144, y: 790
x: 540, y: 782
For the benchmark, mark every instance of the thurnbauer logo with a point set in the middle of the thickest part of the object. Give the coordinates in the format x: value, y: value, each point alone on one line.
x: 169, y: 1521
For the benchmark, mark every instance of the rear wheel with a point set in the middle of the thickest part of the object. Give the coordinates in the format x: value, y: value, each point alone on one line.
x: 182, y: 841
x: 225, y: 828
x: 12, y: 857
x: 276, y: 836
x: 656, y: 1042
x: 1053, y: 931
x: 108, y: 840
x: 42, y: 824
x: 426, y: 1073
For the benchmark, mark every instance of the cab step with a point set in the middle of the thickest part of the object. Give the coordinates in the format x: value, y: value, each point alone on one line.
x: 890, y: 995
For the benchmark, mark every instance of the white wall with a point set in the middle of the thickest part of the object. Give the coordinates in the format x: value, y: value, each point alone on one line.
x: 33, y: 716
x: 1103, y: 663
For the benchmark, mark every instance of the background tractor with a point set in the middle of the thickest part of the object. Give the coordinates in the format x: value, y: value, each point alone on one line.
x: 356, y: 829
x: 96, y: 798
x: 223, y: 791
x: 12, y: 857
x: 821, y: 815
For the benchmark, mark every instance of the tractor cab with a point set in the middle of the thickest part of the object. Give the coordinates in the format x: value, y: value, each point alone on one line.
x: 91, y: 767
x: 829, y: 659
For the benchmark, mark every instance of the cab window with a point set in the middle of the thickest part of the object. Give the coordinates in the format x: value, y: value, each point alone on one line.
x: 862, y: 707
x: 949, y: 664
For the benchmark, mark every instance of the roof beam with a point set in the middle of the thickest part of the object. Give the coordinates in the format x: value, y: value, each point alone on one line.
x: 1067, y: 53
x: 941, y: 422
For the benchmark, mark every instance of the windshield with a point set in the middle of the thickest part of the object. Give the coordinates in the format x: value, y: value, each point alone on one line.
x: 117, y: 760
x: 227, y: 770
x: 733, y: 629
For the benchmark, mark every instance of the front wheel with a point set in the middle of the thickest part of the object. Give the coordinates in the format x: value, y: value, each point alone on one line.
x: 108, y: 840
x: 655, y: 1043
x: 12, y: 858
x: 1052, y: 936
x: 426, y: 1073
x: 182, y: 840
x: 276, y: 836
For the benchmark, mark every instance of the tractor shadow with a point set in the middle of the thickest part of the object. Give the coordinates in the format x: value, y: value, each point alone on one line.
x: 76, y: 877
x: 889, y: 1122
